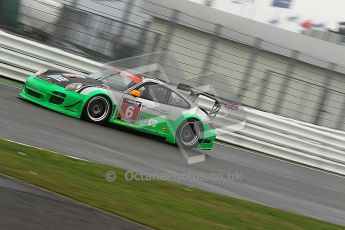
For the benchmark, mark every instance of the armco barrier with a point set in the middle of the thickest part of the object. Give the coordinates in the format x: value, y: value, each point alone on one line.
x: 28, y: 55
x: 278, y: 136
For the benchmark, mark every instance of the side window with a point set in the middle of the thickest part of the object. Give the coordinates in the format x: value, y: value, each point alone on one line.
x: 176, y: 100
x: 153, y: 92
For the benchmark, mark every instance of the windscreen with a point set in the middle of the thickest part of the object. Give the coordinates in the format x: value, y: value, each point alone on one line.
x: 116, y: 78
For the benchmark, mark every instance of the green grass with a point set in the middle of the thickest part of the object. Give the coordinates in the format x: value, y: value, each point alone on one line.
x: 10, y: 82
x: 158, y: 204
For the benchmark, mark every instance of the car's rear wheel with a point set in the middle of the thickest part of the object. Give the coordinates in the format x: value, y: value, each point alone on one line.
x: 189, y: 134
x: 97, y: 109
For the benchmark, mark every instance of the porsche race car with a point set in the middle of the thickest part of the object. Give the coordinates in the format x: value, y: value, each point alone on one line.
x: 121, y: 97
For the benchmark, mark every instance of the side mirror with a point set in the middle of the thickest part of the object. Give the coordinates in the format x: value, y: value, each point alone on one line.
x: 135, y: 93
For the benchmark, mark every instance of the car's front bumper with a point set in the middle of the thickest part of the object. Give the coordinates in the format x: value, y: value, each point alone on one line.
x: 52, y: 96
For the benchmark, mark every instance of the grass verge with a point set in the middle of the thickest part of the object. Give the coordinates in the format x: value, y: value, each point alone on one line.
x: 10, y: 82
x: 158, y: 204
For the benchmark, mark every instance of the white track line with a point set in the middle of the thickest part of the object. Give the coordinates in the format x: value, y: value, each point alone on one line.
x: 2, y: 83
x: 44, y: 149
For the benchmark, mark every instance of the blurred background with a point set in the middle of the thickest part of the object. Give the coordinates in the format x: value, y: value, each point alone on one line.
x: 274, y: 58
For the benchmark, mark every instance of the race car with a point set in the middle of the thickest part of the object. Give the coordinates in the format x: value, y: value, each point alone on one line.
x: 121, y: 97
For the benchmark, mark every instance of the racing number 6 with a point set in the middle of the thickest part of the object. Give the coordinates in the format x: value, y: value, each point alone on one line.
x: 129, y: 112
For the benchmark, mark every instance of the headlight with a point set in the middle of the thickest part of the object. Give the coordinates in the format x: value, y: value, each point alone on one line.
x: 73, y: 86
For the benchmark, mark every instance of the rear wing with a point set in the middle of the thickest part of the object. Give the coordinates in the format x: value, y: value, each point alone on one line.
x: 204, y: 100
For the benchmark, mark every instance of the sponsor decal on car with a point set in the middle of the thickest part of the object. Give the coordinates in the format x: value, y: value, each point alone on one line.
x: 73, y: 75
x: 57, y: 77
x: 142, y: 121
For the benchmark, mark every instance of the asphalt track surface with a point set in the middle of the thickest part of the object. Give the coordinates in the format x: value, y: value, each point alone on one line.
x: 262, y: 179
x: 27, y: 207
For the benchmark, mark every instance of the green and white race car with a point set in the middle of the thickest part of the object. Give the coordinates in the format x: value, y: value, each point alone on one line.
x: 127, y: 99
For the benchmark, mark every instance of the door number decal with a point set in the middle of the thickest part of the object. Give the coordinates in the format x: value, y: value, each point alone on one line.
x: 130, y: 110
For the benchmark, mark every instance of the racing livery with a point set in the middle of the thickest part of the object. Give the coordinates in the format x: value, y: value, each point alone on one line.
x: 126, y: 99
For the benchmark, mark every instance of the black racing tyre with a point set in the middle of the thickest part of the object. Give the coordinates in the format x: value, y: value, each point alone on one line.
x: 97, y: 109
x: 188, y: 134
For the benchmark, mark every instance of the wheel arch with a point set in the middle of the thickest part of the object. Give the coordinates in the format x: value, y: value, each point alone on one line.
x: 188, y: 117
x: 95, y: 93
x: 177, y: 123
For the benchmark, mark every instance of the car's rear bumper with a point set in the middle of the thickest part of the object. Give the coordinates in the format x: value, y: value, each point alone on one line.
x: 52, y: 96
x: 209, y: 137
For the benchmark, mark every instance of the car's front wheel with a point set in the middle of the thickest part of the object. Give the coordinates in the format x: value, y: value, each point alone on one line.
x: 189, y: 134
x: 97, y: 109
